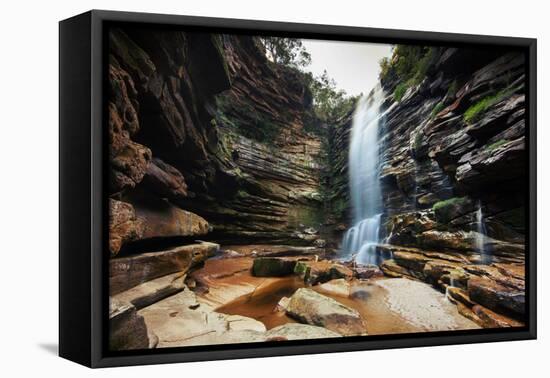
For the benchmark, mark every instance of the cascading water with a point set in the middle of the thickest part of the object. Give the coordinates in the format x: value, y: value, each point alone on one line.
x: 364, y: 168
x: 480, y: 239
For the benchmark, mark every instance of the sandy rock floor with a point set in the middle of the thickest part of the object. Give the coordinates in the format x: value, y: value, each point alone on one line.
x: 423, y: 306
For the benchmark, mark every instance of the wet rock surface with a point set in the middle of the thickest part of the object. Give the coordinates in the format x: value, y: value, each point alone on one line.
x: 316, y: 309
x: 209, y: 140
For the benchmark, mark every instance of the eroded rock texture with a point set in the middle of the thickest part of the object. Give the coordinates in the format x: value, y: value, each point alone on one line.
x: 207, y: 141
x: 208, y: 124
x: 453, y: 177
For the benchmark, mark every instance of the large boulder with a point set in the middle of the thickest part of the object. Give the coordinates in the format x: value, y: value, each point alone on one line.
x: 403, y: 228
x: 314, y: 272
x: 127, y: 272
x: 127, y: 329
x: 163, y: 220
x: 339, y: 287
x: 313, y: 308
x: 364, y: 272
x: 273, y: 266
x: 180, y: 320
x: 165, y: 180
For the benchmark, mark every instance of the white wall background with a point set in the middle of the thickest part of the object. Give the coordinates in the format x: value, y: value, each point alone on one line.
x: 29, y: 186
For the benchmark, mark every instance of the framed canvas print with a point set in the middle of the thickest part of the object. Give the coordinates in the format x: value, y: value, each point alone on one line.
x: 234, y: 188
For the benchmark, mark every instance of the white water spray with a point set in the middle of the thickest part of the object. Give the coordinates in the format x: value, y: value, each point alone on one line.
x: 364, y: 168
x: 480, y: 238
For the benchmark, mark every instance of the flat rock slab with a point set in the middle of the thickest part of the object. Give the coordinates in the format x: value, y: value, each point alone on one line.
x: 127, y: 272
x: 497, y: 297
x: 296, y: 331
x: 339, y: 287
x: 264, y: 250
x: 153, y: 291
x: 181, y: 321
x: 313, y: 308
x: 423, y: 306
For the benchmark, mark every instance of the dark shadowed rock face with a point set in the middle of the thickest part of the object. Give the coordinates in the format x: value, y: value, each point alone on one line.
x: 127, y: 329
x: 124, y: 226
x: 273, y: 266
x: 208, y: 124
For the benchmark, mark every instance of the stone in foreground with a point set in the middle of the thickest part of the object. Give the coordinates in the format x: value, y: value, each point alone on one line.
x: 153, y: 291
x: 127, y: 272
x: 296, y: 331
x: 180, y: 320
x: 313, y: 308
x: 127, y: 329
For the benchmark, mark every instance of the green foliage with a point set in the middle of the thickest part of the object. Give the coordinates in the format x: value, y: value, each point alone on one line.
x: 497, y: 144
x: 418, y: 140
x: 421, y: 66
x: 406, y: 58
x: 453, y: 88
x: 329, y: 103
x: 449, y: 202
x: 399, y: 91
x: 409, y: 65
x: 473, y: 113
x: 385, y: 66
x: 286, y: 51
x: 339, y: 207
x: 447, y: 210
x: 437, y: 108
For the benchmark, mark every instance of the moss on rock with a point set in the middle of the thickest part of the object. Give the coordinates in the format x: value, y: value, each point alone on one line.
x: 449, y: 209
x: 272, y: 267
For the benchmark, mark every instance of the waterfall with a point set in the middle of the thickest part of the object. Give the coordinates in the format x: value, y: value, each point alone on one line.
x: 480, y: 237
x: 364, y: 169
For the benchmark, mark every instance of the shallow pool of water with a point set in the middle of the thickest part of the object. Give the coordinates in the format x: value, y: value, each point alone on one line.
x: 368, y: 299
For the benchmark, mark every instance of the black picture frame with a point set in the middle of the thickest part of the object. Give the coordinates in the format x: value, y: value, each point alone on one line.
x: 83, y: 298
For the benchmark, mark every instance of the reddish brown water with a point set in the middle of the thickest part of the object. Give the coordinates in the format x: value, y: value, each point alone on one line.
x: 370, y: 304
x: 261, y: 304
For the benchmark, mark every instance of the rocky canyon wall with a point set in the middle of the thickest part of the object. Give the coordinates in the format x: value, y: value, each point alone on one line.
x: 208, y: 141
x: 454, y: 177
